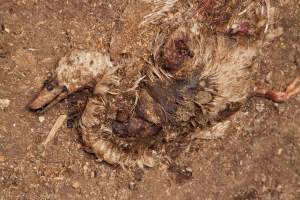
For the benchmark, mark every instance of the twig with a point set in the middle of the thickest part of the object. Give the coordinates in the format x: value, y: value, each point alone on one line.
x: 59, y: 122
x: 248, y: 8
x: 137, y: 96
x: 136, y: 84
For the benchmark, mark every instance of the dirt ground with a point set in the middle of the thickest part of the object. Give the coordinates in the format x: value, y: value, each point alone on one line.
x: 258, y: 158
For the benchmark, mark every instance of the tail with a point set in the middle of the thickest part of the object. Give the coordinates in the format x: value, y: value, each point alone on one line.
x: 92, y: 128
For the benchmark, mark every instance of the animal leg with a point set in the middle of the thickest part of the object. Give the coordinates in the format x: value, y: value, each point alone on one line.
x: 280, y: 96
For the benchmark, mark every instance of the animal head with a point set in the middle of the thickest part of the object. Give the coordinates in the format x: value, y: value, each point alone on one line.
x: 76, y: 71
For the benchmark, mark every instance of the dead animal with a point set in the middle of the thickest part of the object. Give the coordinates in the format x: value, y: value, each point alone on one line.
x: 216, y: 76
x: 198, y: 78
x: 89, y: 69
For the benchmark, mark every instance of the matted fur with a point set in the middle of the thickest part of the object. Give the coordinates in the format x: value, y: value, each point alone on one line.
x: 226, y: 69
x: 91, y: 128
x: 161, y: 7
x: 80, y: 68
x: 228, y: 74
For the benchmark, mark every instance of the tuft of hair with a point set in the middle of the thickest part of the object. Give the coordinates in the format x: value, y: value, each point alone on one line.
x: 228, y: 76
x: 80, y: 67
x: 108, y: 80
x: 160, y: 10
x: 92, y: 130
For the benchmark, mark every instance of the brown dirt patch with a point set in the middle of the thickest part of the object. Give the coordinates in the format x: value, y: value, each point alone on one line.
x: 257, y: 159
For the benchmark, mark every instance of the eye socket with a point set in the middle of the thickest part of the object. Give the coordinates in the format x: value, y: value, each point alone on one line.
x: 50, y: 84
x: 49, y: 87
x: 65, y: 89
x: 183, y: 49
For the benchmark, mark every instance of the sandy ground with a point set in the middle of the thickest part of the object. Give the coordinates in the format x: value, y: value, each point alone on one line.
x: 258, y: 158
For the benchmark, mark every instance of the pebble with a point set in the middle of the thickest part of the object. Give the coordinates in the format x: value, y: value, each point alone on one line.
x: 269, y: 77
x: 279, y: 152
x: 188, y: 169
x: 93, y: 174
x: 76, y: 185
x: 4, y: 103
x: 6, y: 30
x: 41, y: 119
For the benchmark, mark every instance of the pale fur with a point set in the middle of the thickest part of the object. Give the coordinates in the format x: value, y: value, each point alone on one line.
x: 91, y: 130
x: 226, y: 67
x: 229, y: 73
x: 160, y: 9
x: 82, y: 67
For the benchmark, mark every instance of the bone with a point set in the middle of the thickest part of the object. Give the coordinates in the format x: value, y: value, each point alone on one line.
x: 58, y: 124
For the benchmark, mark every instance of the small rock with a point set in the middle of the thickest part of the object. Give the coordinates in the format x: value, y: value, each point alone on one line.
x: 279, y: 188
x: 241, y: 162
x: 41, y: 119
x: 188, y: 169
x: 269, y: 77
x: 6, y: 30
x: 279, y: 152
x: 86, y: 170
x: 264, y: 188
x: 4, y: 103
x: 93, y: 174
x: 76, y: 185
